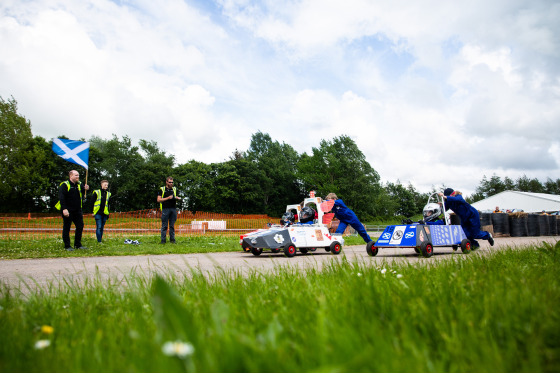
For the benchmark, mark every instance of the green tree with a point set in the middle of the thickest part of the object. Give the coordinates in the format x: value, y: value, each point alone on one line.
x: 405, y: 199
x: 552, y: 187
x: 135, y: 173
x: 529, y: 185
x: 248, y: 188
x: 196, y: 185
x: 339, y: 166
x: 489, y: 187
x: 277, y: 165
x: 22, y: 181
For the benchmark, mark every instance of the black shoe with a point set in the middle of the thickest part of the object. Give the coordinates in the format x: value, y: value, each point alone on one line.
x: 162, y: 243
x: 491, y: 239
x: 81, y: 247
x: 173, y: 242
x: 69, y: 249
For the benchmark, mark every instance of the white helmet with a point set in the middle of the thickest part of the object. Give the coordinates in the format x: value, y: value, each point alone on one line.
x: 431, y: 212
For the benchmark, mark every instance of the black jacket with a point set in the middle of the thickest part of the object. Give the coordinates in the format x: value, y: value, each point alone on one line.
x: 70, y: 199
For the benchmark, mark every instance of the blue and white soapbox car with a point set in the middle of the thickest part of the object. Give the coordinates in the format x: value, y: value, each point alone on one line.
x: 293, y: 235
x: 423, y: 237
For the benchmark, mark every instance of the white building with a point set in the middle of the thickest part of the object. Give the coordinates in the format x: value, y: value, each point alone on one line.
x: 528, y: 202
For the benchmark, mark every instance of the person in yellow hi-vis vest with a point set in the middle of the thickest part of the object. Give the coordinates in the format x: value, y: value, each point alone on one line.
x: 71, y: 198
x: 101, y: 208
x: 167, y: 199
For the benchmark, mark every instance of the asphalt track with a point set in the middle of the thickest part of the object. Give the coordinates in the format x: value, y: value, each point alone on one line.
x: 29, y: 274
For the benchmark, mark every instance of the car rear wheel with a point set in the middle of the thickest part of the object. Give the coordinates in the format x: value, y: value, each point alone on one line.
x: 427, y: 249
x: 466, y: 246
x: 304, y: 250
x: 371, y: 249
x: 256, y: 251
x: 290, y: 250
x: 335, y: 248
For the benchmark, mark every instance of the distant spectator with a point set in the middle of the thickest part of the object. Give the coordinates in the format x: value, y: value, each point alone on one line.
x: 497, y: 210
x: 100, y: 201
x: 167, y: 199
x: 544, y: 213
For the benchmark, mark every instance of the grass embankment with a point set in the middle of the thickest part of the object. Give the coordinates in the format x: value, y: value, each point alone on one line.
x: 499, y: 313
x: 149, y: 245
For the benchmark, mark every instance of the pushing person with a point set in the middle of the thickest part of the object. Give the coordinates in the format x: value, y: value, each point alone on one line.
x: 470, y: 219
x: 347, y: 217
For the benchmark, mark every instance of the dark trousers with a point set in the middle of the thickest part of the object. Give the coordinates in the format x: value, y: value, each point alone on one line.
x: 168, y: 217
x: 78, y: 218
x: 471, y: 227
x: 357, y: 225
x: 100, y: 220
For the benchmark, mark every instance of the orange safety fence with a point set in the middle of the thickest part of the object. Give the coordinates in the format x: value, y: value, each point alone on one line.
x: 141, y: 222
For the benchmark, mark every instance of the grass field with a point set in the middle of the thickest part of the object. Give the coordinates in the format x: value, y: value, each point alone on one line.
x: 53, y: 247
x: 498, y: 313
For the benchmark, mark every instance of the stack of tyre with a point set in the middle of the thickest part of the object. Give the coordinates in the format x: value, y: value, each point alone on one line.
x: 521, y: 224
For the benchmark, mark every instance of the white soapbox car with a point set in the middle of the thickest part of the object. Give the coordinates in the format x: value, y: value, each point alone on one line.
x: 291, y: 237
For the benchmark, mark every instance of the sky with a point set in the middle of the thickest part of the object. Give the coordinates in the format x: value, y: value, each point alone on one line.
x: 434, y: 93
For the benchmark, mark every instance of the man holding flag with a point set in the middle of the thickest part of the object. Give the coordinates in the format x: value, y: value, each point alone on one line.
x: 70, y: 192
x: 71, y: 199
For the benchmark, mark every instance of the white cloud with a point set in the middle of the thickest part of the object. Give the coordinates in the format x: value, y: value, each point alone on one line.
x: 432, y: 92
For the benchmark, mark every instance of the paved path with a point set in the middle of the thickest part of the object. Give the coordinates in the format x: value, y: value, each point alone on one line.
x: 32, y: 273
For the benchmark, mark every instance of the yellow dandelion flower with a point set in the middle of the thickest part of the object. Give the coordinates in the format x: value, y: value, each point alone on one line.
x: 46, y: 329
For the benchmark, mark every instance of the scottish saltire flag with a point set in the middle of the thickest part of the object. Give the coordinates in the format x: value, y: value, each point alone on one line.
x: 74, y: 151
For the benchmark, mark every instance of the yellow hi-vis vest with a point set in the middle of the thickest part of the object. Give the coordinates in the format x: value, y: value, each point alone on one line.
x: 163, y: 193
x: 58, y: 206
x: 97, y: 203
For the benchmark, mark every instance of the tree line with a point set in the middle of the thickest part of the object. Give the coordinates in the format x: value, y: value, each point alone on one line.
x: 260, y: 180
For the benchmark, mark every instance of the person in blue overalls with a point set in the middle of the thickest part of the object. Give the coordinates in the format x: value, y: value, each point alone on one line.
x: 347, y: 217
x: 470, y: 219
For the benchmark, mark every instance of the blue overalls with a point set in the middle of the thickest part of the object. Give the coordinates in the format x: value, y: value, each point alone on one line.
x: 470, y: 219
x: 348, y: 217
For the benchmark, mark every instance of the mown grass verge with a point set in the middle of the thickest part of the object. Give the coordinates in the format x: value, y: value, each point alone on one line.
x: 149, y: 245
x: 494, y: 313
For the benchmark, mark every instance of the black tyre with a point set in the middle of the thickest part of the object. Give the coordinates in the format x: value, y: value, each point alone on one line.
x: 275, y: 250
x: 371, y: 249
x: 455, y: 247
x: 335, y: 248
x: 290, y: 250
x: 328, y: 249
x: 304, y: 250
x: 427, y: 249
x: 417, y: 250
x: 256, y: 251
x: 466, y: 246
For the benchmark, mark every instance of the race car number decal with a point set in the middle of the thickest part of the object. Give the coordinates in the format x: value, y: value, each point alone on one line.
x: 319, y: 235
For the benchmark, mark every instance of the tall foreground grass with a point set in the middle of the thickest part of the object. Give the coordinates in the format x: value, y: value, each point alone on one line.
x: 499, y: 313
